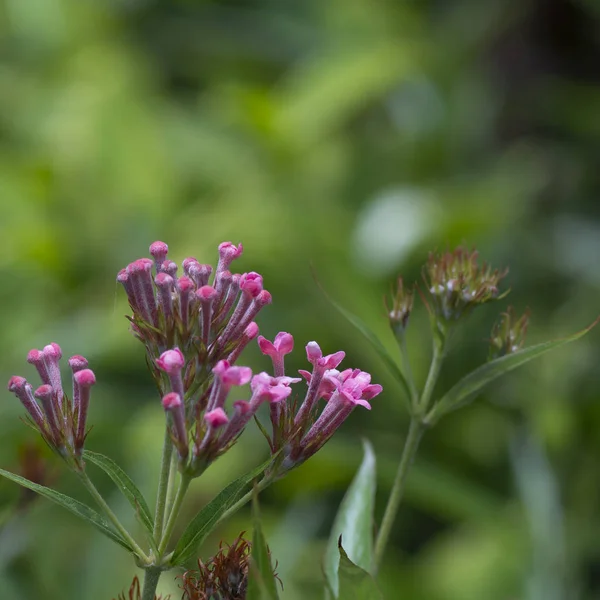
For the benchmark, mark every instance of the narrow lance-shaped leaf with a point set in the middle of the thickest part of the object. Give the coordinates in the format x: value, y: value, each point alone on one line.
x: 208, y: 517
x: 356, y: 583
x: 125, y: 484
x: 354, y: 521
x: 262, y: 584
x: 77, y: 508
x: 374, y: 341
x: 469, y: 386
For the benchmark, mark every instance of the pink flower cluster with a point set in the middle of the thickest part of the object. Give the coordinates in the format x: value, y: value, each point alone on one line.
x: 60, y: 420
x: 209, y: 317
x: 297, y: 429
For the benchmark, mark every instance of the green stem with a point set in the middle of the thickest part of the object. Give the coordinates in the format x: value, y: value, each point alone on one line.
x: 183, y: 488
x: 163, y: 484
x: 87, y: 482
x: 151, y: 577
x: 171, y: 484
x: 439, y: 352
x: 411, y: 445
x: 406, y: 368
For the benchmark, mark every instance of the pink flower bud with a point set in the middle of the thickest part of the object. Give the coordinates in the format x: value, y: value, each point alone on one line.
x: 313, y: 352
x: 171, y: 400
x: 206, y: 292
x: 171, y: 361
x: 77, y: 363
x: 36, y: 358
x: 169, y: 267
x: 228, y: 252
x: 22, y: 390
x: 216, y: 418
x: 140, y: 277
x: 164, y: 285
x: 251, y: 284
x: 159, y: 251
x: 45, y: 394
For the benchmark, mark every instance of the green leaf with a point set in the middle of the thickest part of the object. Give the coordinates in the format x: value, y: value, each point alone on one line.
x: 355, y: 583
x: 354, y: 521
x: 391, y: 364
x: 77, y: 508
x: 126, y: 485
x: 262, y: 584
x: 469, y: 386
x: 208, y: 517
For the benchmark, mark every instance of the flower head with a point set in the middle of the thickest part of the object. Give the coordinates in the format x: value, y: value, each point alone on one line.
x: 508, y: 334
x: 60, y: 420
x: 456, y: 283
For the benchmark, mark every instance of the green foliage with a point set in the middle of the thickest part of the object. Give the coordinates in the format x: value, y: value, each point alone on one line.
x: 262, y: 584
x: 126, y: 485
x: 356, y: 583
x: 208, y: 517
x: 354, y: 522
x: 471, y: 385
x: 77, y: 508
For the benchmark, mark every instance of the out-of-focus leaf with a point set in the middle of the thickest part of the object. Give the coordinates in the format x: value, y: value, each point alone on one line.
x: 208, y: 517
x: 126, y: 485
x: 77, y: 508
x: 469, y: 386
x: 354, y: 521
x: 355, y: 583
x: 374, y: 341
x: 262, y: 584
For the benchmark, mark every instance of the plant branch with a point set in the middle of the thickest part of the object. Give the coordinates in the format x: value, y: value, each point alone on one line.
x: 411, y: 446
x: 163, y: 484
x: 87, y: 482
x: 168, y: 530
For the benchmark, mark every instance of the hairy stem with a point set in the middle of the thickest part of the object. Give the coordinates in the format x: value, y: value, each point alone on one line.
x: 411, y: 446
x: 87, y: 482
x: 151, y: 577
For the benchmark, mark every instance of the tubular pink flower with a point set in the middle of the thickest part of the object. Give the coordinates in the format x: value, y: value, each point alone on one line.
x: 123, y: 279
x: 173, y: 404
x: 321, y: 364
x: 232, y: 294
x: 82, y: 383
x: 228, y: 252
x: 354, y: 390
x: 282, y: 344
x: 263, y: 299
x: 172, y: 363
x: 207, y: 296
x: 36, y: 358
x: 222, y: 282
x: 216, y: 418
x: 52, y: 354
x: 45, y: 394
x: 165, y: 285
x: 199, y: 273
x: 23, y: 391
x: 226, y: 377
x: 251, y: 284
x: 249, y: 334
x: 159, y: 251
x: 185, y: 287
x: 140, y: 276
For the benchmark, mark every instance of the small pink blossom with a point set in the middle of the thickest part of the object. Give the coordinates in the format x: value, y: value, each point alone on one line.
x: 171, y: 361
x: 216, y: 417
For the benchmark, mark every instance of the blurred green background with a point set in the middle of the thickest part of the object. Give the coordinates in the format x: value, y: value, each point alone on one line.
x: 353, y: 136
